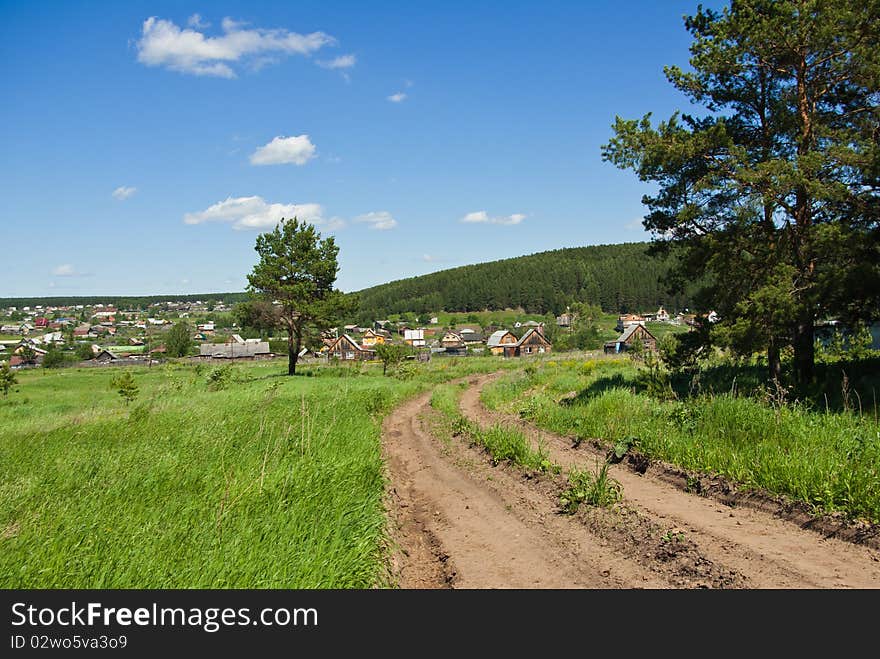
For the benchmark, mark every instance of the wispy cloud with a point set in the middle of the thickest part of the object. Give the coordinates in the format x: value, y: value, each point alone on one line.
x: 196, y: 21
x: 67, y: 270
x: 341, y: 62
x: 482, y: 217
x: 398, y: 97
x: 378, y: 220
x: 123, y: 192
x: 282, y: 150
x: 187, y: 50
x: 256, y: 213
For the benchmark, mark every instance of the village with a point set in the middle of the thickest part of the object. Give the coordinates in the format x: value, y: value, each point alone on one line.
x: 104, y: 335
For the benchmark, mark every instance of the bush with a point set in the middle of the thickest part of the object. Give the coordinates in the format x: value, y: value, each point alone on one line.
x: 220, y: 377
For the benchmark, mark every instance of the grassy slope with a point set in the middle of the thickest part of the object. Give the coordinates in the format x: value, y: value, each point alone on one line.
x: 271, y: 482
x: 830, y: 460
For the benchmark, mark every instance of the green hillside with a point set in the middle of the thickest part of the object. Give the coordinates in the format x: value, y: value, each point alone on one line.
x: 620, y: 278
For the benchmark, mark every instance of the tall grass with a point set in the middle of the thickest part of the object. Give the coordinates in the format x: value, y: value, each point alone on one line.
x: 830, y: 460
x: 266, y: 482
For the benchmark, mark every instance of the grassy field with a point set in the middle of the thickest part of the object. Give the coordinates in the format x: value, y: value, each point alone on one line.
x: 828, y: 459
x: 239, y: 479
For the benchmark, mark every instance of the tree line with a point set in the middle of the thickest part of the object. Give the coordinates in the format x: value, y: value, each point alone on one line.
x: 617, y: 278
x: 120, y: 301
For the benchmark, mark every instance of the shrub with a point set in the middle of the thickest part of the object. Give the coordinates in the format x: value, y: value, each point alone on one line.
x: 220, y: 377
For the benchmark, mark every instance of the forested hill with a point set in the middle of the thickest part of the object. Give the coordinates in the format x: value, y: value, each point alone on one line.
x: 619, y: 278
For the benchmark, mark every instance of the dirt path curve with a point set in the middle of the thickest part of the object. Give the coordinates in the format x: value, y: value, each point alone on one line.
x: 464, y: 524
x: 768, y: 551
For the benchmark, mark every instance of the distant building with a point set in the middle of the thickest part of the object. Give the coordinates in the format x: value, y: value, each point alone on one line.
x: 632, y: 334
x: 533, y: 342
x: 107, y: 356
x: 452, y: 340
x: 627, y: 319
x: 414, y: 337
x: 346, y: 348
x: 499, y: 340
x: 375, y: 337
x: 248, y: 350
x: 565, y: 319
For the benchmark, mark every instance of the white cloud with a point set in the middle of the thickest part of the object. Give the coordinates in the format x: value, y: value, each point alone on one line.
x: 123, y: 192
x: 427, y: 258
x: 256, y: 213
x: 189, y: 51
x: 341, y: 62
x: 66, y: 270
x: 482, y: 217
x: 399, y: 97
x: 378, y: 220
x: 196, y: 21
x: 284, y: 150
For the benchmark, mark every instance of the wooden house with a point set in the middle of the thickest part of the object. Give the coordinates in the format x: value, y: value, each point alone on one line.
x: 471, y: 337
x: 533, y: 342
x: 452, y: 340
x: 346, y: 348
x: 499, y: 340
x: 375, y: 337
x: 631, y: 335
x: 107, y: 356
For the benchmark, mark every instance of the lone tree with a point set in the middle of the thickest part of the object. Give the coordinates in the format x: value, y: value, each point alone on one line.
x: 772, y: 194
x: 298, y: 269
x: 178, y: 341
x: 391, y: 355
x: 125, y: 386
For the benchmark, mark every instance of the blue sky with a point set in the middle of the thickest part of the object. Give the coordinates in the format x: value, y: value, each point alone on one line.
x: 145, y: 144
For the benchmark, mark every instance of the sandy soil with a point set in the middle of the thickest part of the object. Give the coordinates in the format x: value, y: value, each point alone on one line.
x: 460, y: 522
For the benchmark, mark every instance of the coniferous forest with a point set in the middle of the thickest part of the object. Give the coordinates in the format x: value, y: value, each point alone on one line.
x: 619, y: 278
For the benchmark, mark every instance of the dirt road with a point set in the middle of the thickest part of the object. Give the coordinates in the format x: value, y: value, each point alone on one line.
x: 461, y: 522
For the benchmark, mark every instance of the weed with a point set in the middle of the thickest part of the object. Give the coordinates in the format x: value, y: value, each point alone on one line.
x: 592, y: 488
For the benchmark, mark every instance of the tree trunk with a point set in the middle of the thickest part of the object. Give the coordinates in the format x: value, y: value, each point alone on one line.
x: 292, y: 351
x: 804, y: 348
x: 774, y: 363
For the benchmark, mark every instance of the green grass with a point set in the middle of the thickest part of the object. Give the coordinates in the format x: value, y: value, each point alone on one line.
x: 502, y: 442
x: 263, y: 482
x: 831, y: 460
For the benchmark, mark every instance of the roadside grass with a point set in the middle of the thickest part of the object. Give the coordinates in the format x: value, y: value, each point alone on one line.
x: 503, y: 443
x: 830, y: 460
x: 246, y: 479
